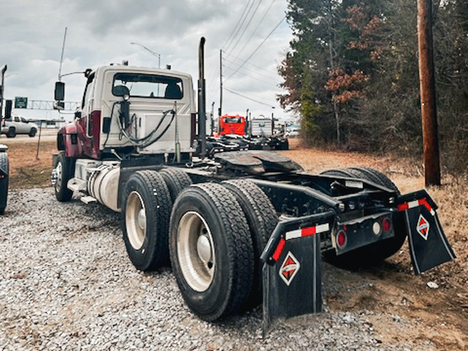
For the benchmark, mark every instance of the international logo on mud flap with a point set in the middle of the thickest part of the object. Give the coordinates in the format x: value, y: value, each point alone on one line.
x: 289, y: 268
x: 423, y: 227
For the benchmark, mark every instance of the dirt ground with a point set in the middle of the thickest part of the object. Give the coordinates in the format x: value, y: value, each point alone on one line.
x: 436, y: 312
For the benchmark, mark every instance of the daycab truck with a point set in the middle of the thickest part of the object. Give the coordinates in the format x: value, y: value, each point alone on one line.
x: 238, y: 227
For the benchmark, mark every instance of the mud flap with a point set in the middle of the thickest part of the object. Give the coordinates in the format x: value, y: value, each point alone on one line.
x: 428, y: 244
x: 292, y: 277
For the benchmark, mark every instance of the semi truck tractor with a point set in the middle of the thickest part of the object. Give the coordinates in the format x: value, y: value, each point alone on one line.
x: 238, y: 133
x: 239, y: 228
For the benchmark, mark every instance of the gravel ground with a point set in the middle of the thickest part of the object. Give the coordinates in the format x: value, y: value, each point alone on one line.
x: 67, y: 284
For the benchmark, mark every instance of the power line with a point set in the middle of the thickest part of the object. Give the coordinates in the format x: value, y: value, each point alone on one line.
x: 250, y: 64
x: 246, y: 97
x: 247, y: 25
x: 271, y: 76
x: 262, y: 81
x: 258, y: 25
x: 237, y: 27
x: 258, y: 47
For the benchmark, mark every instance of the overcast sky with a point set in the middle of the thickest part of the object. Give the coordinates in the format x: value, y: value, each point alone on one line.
x: 101, y: 32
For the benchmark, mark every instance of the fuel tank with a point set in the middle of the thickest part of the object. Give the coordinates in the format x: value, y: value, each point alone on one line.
x: 103, y: 185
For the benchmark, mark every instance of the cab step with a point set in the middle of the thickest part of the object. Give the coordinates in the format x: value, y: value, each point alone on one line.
x: 88, y: 199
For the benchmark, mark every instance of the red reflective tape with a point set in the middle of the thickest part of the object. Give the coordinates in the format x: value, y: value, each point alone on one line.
x: 416, y: 203
x: 278, y: 250
x: 309, y: 231
x: 424, y: 203
x: 403, y: 207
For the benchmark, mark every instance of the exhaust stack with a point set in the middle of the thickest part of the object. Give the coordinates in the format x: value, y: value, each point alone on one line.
x: 202, y: 98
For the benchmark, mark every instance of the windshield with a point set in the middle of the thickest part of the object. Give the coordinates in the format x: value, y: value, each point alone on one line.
x: 233, y: 120
x: 150, y: 86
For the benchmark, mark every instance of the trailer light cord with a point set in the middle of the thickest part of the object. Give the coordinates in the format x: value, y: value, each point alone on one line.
x: 141, y: 142
x: 149, y: 139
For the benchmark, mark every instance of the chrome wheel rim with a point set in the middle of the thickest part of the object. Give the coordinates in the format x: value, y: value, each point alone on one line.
x: 135, y: 219
x: 195, y: 251
x: 58, y: 171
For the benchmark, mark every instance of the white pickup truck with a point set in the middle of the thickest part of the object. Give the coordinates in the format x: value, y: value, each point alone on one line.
x: 18, y: 125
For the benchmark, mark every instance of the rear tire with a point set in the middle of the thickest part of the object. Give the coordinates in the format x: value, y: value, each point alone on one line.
x: 379, y: 251
x: 5, y: 168
x: 65, y: 171
x: 377, y: 177
x: 176, y: 181
x: 145, y: 220
x: 262, y: 220
x: 211, y: 251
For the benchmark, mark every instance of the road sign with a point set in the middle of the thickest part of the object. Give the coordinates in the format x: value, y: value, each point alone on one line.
x: 21, y: 102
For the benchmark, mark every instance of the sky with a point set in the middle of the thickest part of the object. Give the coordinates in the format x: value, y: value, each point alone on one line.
x: 253, y: 35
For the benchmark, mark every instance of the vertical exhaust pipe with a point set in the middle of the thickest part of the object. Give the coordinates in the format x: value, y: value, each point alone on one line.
x: 202, y: 98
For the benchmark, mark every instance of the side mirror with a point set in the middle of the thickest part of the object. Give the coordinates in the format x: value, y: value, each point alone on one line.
x: 120, y: 90
x: 59, y: 93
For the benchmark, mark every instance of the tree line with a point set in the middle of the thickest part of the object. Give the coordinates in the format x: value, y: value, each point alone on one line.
x: 352, y: 74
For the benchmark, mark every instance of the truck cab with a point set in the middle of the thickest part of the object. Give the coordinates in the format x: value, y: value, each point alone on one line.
x: 232, y: 125
x: 127, y: 108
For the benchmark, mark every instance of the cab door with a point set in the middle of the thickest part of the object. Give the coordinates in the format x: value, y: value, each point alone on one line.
x: 90, y: 121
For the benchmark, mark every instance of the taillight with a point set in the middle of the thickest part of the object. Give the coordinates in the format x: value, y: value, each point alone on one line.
x: 387, y: 225
x: 341, y: 239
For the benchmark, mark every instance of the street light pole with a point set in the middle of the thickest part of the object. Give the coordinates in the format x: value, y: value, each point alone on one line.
x: 3, y: 70
x: 151, y: 52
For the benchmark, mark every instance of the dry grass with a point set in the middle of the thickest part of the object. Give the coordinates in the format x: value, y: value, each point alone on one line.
x: 26, y: 169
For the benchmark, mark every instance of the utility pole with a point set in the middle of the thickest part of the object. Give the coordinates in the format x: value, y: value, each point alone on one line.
x: 220, y: 111
x: 212, y: 119
x: 428, y: 94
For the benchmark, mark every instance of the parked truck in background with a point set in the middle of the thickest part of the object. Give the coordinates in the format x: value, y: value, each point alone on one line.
x: 237, y: 227
x: 232, y: 125
x: 254, y: 133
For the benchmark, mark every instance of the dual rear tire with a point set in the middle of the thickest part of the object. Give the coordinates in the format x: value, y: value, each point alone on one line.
x: 145, y: 217
x: 213, y: 233
x: 211, y: 251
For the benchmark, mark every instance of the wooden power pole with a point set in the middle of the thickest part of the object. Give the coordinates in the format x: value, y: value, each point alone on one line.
x: 428, y: 94
x: 220, y: 111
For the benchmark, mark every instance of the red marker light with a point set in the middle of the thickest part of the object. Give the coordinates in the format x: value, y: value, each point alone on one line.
x: 341, y: 239
x: 387, y: 225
